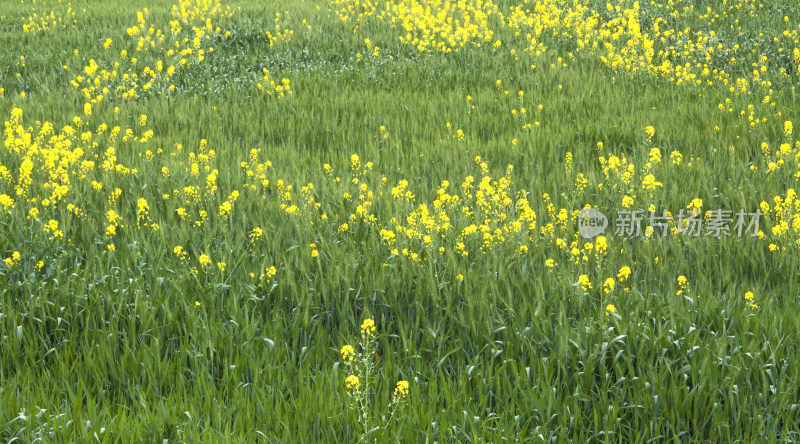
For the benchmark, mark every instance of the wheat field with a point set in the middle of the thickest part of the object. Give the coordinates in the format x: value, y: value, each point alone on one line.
x: 399, y: 221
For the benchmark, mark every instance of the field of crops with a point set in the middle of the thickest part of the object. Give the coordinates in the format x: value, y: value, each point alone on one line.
x: 365, y: 220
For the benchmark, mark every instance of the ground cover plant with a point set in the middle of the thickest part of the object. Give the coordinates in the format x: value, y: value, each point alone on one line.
x: 356, y: 220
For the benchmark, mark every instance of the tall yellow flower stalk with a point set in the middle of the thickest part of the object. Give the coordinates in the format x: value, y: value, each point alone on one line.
x: 360, y: 381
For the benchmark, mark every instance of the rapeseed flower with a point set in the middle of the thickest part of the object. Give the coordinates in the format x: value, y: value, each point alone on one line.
x: 204, y: 260
x: 584, y: 282
x: 368, y: 327
x: 683, y: 284
x: 348, y: 353
x: 750, y: 300
x: 401, y: 389
x: 352, y: 382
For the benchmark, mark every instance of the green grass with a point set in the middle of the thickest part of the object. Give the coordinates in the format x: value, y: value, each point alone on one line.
x: 112, y: 346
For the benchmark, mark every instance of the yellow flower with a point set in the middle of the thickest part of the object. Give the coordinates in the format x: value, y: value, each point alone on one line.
x: 401, y: 389
x: 352, y: 382
x: 348, y: 353
x: 368, y: 327
x: 655, y: 155
x: 750, y: 300
x: 7, y: 202
x: 601, y: 245
x: 683, y: 283
x: 627, y: 201
x: 196, y: 303
x: 583, y: 281
x: 624, y: 273
x: 610, y: 308
x: 650, y: 131
x: 608, y: 285
x: 204, y: 260
x: 52, y: 227
x: 650, y: 182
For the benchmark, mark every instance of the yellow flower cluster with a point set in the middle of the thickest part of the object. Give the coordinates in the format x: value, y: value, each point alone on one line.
x: 181, y: 254
x: 277, y: 89
x: 7, y: 202
x: 352, y: 382
x: 191, y: 12
x: 749, y: 299
x: 584, y: 282
x: 481, y: 216
x: 608, y: 285
x: 401, y: 389
x: 40, y: 17
x: 256, y: 234
x: 683, y: 285
x: 14, y: 260
x: 282, y: 34
x: 368, y: 327
x: 784, y: 215
x: 348, y: 353
x: 186, y: 42
x: 204, y: 260
x: 432, y: 25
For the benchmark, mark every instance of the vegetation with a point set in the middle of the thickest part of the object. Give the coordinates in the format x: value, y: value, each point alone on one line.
x: 202, y: 204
